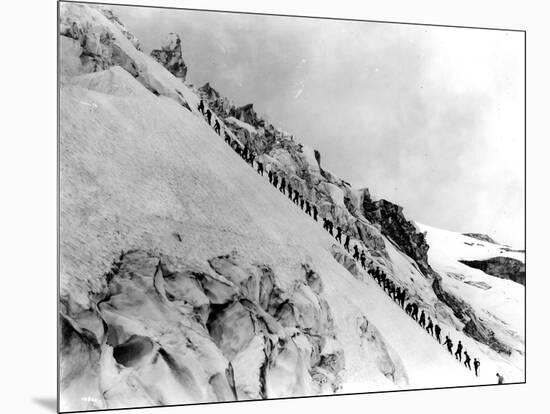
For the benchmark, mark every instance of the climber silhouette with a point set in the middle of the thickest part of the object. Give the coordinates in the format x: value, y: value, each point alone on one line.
x: 430, y: 327
x: 467, y: 360
x: 201, y: 107
x: 476, y: 366
x: 209, y: 116
x: 302, y: 201
x: 339, y: 234
x: 282, y: 188
x: 458, y: 353
x: 355, y: 252
x: 346, y: 244
x: 296, y: 197
x: 308, y: 208
x: 227, y: 137
x: 275, y: 180
x: 449, y: 344
x: 402, y: 298
x: 217, y: 126
x: 315, y: 213
x: 289, y: 191
x: 414, y: 312
x: 437, y: 331
x: 363, y: 259
x: 270, y: 176
x: 422, y: 320
x: 408, y: 309
x: 260, y: 168
x: 500, y: 379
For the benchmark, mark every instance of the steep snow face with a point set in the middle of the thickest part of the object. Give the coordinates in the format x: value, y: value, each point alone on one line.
x: 500, y: 303
x: 185, y: 276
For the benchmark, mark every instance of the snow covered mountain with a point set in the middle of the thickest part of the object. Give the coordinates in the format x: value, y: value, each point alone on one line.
x: 185, y: 276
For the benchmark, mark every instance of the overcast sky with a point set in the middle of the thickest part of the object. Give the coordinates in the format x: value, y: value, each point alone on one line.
x: 430, y: 118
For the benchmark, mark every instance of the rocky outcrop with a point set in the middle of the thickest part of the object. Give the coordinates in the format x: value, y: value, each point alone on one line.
x: 502, y: 267
x: 227, y: 330
x: 401, y: 231
x: 482, y: 237
x: 472, y: 325
x: 108, y: 13
x: 169, y: 55
x: 93, y: 40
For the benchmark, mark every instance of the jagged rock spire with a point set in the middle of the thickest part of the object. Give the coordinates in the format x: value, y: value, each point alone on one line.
x: 170, y: 56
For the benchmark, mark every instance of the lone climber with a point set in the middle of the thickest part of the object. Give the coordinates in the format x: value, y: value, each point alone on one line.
x: 346, y: 244
x: 339, y: 234
x: 282, y: 188
x: 201, y: 106
x: 355, y: 252
x: 422, y: 320
x: 217, y: 126
x: 430, y: 327
x: 209, y: 116
x: 500, y: 379
x: 414, y: 312
x: 449, y: 344
x: 458, y: 353
x: 467, y: 360
x: 437, y: 330
x: 363, y: 259
x: 476, y: 366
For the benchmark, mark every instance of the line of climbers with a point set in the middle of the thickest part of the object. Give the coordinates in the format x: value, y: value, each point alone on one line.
x: 398, y: 294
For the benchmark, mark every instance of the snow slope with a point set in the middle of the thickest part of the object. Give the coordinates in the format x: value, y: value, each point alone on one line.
x: 141, y: 171
x: 500, y: 302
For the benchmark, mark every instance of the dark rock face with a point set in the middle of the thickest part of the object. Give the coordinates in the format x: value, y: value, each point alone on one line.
x: 170, y: 56
x: 479, y: 236
x: 503, y: 267
x: 394, y: 225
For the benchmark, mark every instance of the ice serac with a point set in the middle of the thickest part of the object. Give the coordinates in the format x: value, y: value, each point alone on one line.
x: 186, y: 277
x: 170, y: 56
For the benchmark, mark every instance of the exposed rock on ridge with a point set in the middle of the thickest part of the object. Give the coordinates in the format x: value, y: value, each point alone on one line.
x: 503, y: 267
x: 170, y: 56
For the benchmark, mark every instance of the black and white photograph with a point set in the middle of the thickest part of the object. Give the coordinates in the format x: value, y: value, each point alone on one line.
x: 215, y: 206
x: 262, y: 206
